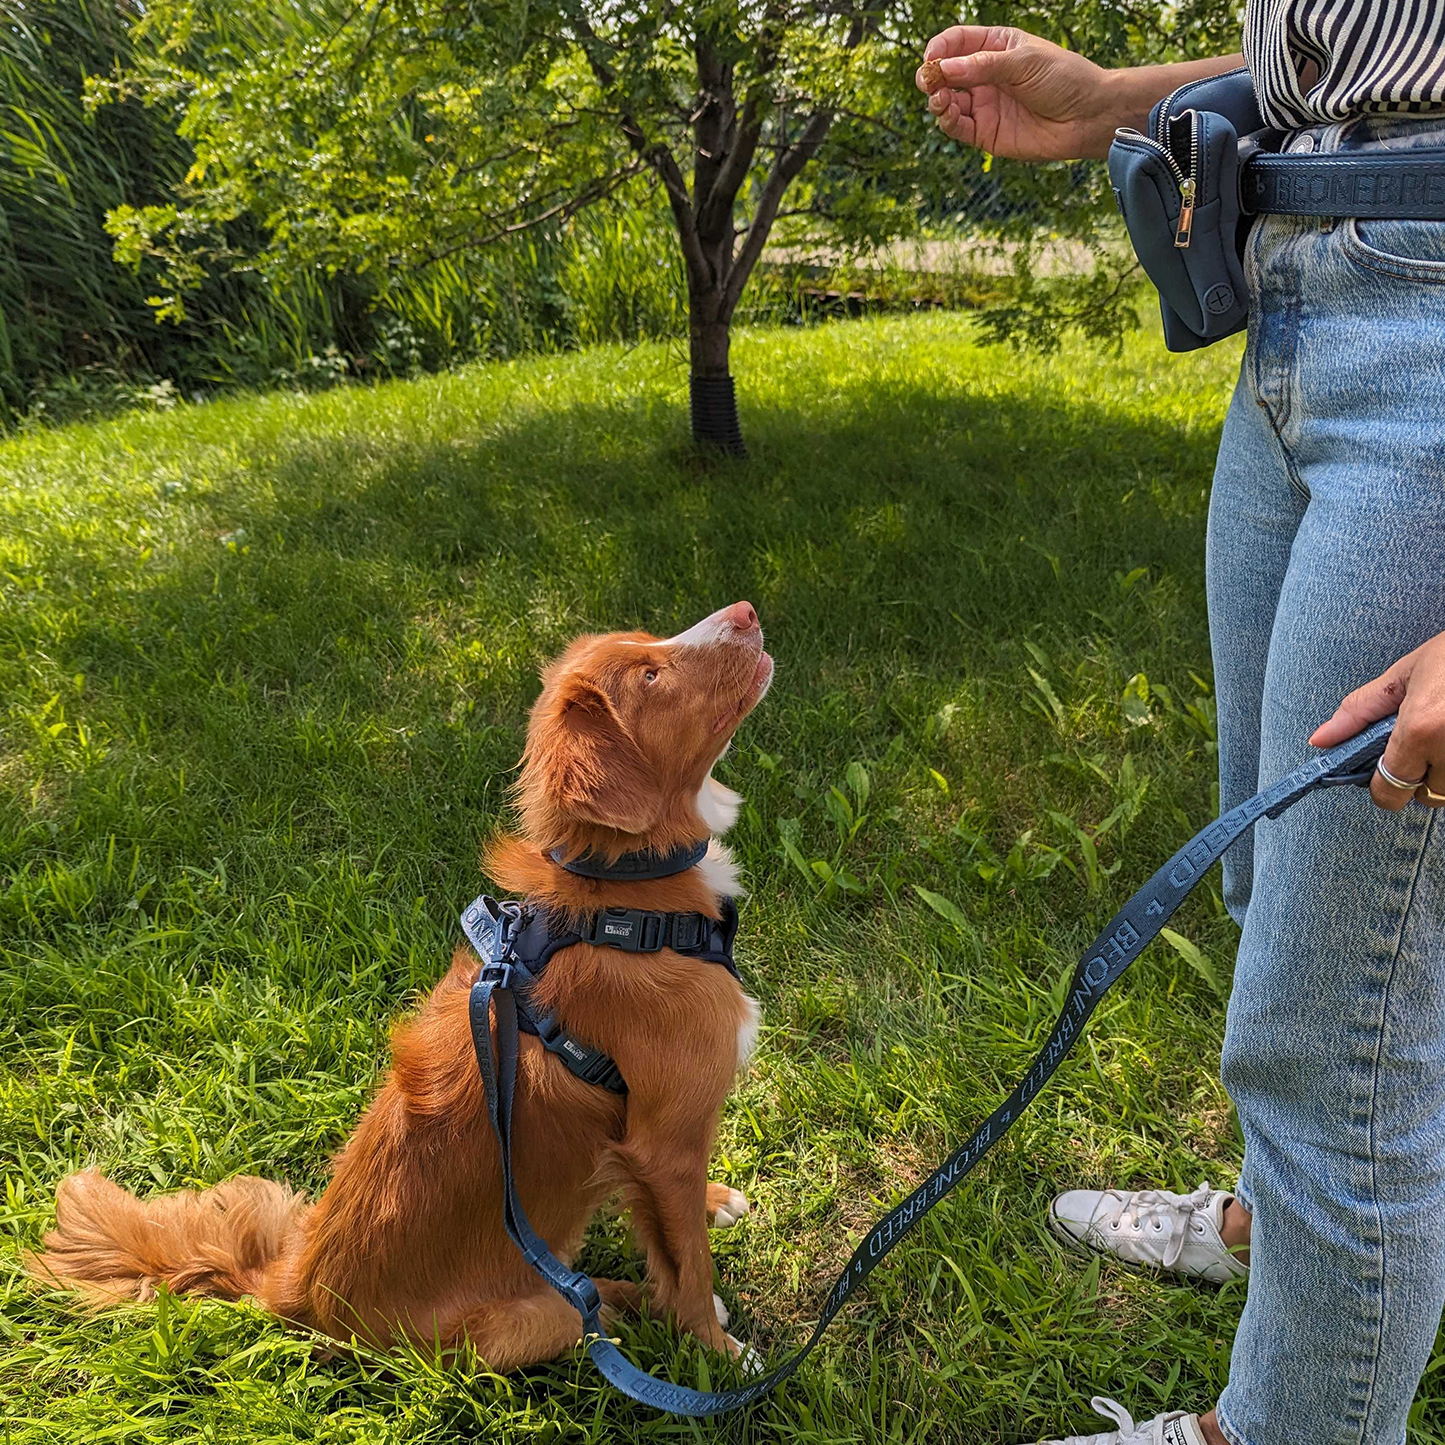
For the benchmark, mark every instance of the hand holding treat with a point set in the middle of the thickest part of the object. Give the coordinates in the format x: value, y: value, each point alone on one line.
x: 1013, y: 94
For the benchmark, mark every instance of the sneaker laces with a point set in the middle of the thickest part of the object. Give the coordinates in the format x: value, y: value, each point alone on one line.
x: 1113, y: 1410
x: 1146, y: 1432
x: 1174, y: 1213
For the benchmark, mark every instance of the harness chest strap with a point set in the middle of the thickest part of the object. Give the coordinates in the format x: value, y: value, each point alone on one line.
x: 525, y: 938
x: 1124, y: 938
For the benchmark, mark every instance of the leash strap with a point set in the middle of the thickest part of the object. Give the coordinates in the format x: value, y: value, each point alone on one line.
x: 1130, y: 931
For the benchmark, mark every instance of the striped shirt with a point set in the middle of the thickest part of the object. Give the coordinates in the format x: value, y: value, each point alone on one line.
x: 1315, y: 61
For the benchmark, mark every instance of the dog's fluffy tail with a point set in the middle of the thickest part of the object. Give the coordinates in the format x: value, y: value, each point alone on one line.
x: 111, y: 1246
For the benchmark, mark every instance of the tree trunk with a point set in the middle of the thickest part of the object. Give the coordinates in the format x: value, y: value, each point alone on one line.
x: 714, y: 403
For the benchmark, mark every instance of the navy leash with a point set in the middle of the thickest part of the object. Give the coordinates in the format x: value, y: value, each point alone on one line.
x: 1130, y: 931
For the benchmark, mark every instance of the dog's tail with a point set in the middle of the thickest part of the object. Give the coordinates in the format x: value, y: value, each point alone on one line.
x: 112, y: 1246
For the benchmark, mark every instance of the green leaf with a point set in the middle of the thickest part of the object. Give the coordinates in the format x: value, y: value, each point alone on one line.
x: 1135, y: 701
x: 797, y: 859
x: 1055, y: 707
x: 840, y: 810
x: 943, y: 907
x: 1196, y: 960
x: 857, y: 779
x: 1038, y: 654
x: 941, y: 721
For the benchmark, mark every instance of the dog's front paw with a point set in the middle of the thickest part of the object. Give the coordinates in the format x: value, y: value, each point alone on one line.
x: 720, y: 1310
x: 725, y: 1206
x: 750, y: 1362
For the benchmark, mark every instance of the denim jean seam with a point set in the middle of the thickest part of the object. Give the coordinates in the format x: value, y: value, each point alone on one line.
x: 1358, y: 1416
x: 1355, y: 248
x: 1243, y: 1193
x: 1421, y: 852
x: 1289, y: 368
x: 1226, y: 1426
x: 1287, y: 350
x: 1296, y: 481
x: 1289, y: 357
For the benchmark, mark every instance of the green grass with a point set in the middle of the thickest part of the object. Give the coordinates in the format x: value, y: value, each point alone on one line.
x: 264, y: 668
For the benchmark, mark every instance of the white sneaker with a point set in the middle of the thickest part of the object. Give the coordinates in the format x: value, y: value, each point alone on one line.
x: 1153, y: 1227
x: 1175, y: 1428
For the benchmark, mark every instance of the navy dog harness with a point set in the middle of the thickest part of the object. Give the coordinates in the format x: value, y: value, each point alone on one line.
x: 525, y: 937
x: 1127, y: 935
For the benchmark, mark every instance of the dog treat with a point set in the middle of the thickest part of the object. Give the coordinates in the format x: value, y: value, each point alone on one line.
x: 932, y: 75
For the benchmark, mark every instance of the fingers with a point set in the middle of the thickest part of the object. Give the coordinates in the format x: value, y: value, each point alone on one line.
x: 964, y: 40
x: 955, y: 44
x: 1432, y: 791
x: 1403, y: 770
x: 986, y: 67
x: 942, y: 102
x: 1365, y: 705
x: 1413, y: 765
x: 953, y: 110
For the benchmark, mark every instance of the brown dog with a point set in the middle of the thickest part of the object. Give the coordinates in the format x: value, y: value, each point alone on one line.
x: 408, y: 1240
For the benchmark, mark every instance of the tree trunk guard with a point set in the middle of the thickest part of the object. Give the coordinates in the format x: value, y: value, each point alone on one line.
x: 715, y: 414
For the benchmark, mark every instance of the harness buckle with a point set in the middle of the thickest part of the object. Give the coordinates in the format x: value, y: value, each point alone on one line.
x: 689, y: 932
x: 630, y: 929
x: 602, y: 1071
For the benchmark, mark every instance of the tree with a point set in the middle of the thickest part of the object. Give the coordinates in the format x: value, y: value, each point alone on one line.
x: 386, y: 134
x: 382, y: 135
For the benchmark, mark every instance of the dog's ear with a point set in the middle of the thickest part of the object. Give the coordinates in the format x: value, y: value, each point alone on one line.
x: 594, y: 769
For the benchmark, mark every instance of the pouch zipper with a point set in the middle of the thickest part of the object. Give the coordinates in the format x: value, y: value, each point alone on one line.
x: 1188, y: 184
x: 1186, y: 179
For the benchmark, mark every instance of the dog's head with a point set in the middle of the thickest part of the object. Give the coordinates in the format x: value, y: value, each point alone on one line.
x: 627, y: 729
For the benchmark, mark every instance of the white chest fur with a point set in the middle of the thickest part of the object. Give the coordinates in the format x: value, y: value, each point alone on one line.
x: 718, y: 807
x: 748, y: 1031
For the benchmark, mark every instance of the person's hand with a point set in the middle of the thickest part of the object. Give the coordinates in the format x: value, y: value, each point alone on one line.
x: 1014, y: 94
x: 1415, y: 688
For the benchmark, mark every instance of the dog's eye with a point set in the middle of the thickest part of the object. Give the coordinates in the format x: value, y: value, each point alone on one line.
x: 650, y: 675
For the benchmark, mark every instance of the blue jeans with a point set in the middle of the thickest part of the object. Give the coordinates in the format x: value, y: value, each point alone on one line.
x: 1326, y: 563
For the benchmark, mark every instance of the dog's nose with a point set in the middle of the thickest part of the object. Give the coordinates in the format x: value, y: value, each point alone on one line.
x: 741, y: 615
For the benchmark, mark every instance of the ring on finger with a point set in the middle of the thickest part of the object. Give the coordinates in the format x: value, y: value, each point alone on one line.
x: 1403, y: 784
x: 1431, y: 796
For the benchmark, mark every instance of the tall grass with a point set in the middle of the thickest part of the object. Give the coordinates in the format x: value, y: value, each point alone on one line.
x: 64, y: 306
x: 76, y: 330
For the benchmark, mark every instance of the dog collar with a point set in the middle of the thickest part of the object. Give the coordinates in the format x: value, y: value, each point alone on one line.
x: 634, y: 867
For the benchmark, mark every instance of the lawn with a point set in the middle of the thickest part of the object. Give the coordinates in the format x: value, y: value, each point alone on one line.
x: 264, y: 670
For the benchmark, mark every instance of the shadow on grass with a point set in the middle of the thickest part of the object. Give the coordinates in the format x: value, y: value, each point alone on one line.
x: 368, y: 651
x: 1009, y: 513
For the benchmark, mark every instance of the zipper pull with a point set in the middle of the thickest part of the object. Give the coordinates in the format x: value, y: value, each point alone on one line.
x: 1186, y: 213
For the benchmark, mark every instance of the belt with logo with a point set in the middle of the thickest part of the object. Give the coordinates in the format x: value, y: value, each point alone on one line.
x: 1370, y: 184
